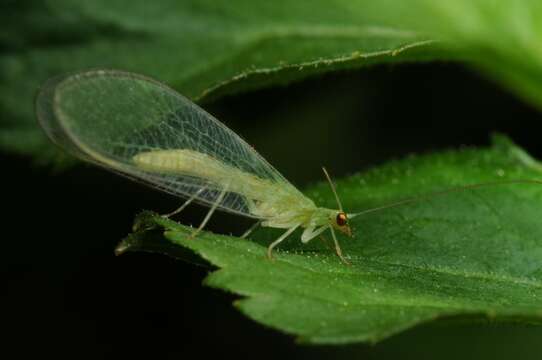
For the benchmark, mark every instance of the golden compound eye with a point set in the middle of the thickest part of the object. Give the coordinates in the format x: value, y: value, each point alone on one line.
x: 341, y: 219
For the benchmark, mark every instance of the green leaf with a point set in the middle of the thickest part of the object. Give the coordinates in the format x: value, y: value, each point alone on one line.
x: 474, y: 254
x: 501, y: 38
x: 207, y: 49
x: 204, y: 49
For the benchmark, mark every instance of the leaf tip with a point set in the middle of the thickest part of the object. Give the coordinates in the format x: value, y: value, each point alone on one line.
x: 121, y: 248
x: 503, y: 143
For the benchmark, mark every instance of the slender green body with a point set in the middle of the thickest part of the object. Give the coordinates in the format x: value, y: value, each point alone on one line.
x: 277, y: 205
x: 140, y: 128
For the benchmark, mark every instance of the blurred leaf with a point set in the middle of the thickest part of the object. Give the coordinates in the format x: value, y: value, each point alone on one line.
x: 472, y: 254
x: 207, y: 49
x: 502, y: 38
x: 202, y: 48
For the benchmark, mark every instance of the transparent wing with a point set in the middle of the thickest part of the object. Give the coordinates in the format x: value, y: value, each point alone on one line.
x: 109, y: 117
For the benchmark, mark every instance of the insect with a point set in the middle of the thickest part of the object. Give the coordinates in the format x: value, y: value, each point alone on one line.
x: 141, y: 128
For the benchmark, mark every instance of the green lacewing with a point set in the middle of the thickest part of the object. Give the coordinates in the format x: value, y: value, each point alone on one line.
x: 143, y: 129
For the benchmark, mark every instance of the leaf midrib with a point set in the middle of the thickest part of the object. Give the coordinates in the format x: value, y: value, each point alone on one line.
x: 444, y: 271
x: 311, y: 63
x: 350, y: 287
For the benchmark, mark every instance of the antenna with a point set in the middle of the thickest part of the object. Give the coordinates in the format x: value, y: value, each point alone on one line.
x: 333, y: 189
x: 444, y: 192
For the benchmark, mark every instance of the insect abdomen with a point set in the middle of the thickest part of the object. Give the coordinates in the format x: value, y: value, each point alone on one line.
x: 185, y: 162
x: 265, y: 196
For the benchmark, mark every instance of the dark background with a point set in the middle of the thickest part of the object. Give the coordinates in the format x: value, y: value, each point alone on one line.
x: 66, y: 294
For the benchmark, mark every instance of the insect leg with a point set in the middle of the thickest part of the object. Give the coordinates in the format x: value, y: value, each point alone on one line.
x: 185, y: 204
x: 326, y: 243
x: 251, y: 229
x: 311, y: 233
x: 337, y: 247
x: 211, y: 211
x: 279, y: 240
